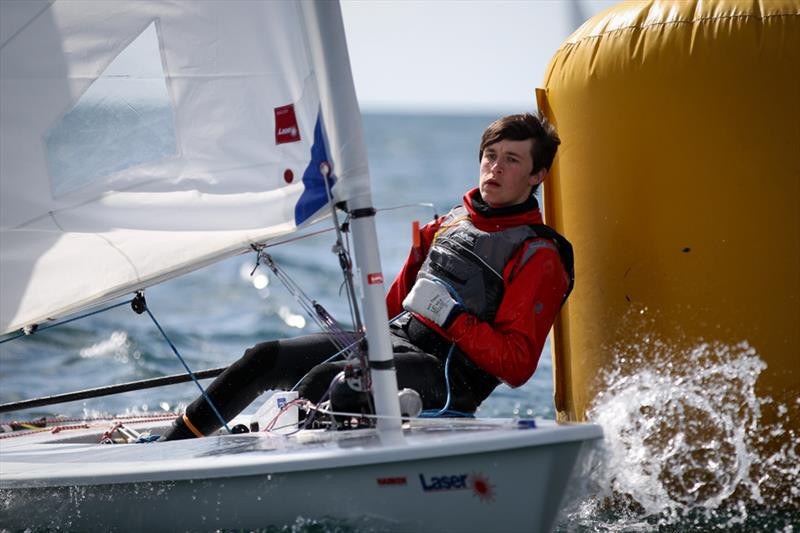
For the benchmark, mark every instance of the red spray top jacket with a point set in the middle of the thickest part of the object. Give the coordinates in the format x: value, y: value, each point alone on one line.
x: 510, y: 346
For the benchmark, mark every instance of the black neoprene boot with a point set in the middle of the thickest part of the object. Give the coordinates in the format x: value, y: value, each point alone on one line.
x: 178, y: 431
x: 231, y: 392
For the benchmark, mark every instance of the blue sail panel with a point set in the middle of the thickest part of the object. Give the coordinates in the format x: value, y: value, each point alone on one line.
x: 315, y: 195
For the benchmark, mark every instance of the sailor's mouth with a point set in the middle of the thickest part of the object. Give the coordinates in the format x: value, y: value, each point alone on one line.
x: 491, y: 183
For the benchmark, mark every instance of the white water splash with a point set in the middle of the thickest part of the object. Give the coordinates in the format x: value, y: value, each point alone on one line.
x: 686, y: 445
x: 117, y: 346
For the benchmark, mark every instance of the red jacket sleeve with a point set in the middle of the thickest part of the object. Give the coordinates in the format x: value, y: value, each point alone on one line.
x: 510, y: 347
x: 408, y: 275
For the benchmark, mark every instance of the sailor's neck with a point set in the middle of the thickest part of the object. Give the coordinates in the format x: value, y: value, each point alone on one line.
x: 485, y: 210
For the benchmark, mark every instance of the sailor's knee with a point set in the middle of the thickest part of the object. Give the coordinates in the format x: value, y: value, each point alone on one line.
x: 317, y: 381
x: 262, y: 348
x: 260, y: 357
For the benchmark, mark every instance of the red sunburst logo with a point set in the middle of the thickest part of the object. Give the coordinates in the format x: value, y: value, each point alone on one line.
x: 481, y: 487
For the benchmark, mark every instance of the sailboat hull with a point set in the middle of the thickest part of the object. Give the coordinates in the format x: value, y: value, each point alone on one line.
x: 436, y: 478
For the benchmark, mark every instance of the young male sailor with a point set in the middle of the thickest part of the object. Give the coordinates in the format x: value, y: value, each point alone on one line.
x: 483, y: 291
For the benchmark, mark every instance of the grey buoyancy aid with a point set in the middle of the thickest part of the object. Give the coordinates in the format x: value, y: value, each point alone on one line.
x: 472, y: 261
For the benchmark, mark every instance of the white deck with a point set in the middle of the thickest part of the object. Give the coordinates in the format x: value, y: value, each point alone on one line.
x: 66, y: 458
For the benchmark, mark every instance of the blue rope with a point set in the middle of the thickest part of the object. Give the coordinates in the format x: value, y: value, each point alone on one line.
x: 191, y: 374
x: 22, y: 334
x: 446, y: 411
x: 433, y: 413
x: 171, y: 345
x: 17, y: 336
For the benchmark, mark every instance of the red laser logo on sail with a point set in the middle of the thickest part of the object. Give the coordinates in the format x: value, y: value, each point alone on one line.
x: 286, y: 129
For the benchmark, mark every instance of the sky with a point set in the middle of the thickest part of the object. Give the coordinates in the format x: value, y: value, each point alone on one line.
x: 459, y: 56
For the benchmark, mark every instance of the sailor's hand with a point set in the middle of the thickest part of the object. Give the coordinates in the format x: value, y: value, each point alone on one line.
x: 432, y: 300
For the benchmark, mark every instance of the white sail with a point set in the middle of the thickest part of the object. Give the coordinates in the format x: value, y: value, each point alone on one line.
x: 141, y: 140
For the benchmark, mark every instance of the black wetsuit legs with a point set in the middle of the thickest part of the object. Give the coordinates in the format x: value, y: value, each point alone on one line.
x: 282, y: 364
x: 278, y: 364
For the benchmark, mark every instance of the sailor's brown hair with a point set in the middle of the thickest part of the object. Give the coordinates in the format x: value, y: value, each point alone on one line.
x: 521, y: 127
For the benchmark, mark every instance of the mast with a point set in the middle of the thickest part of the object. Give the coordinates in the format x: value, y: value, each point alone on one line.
x: 342, y: 119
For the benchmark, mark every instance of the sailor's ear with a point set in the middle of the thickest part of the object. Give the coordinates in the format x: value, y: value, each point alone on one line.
x: 538, y: 177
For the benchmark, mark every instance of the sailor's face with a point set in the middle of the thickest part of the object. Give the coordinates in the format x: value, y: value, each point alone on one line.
x: 506, y: 177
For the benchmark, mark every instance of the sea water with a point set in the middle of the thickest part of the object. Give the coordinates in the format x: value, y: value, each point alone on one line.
x: 684, y: 448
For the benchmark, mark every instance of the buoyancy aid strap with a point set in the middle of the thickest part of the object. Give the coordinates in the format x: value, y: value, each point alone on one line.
x: 447, y: 224
x: 556, y: 242
x: 532, y: 248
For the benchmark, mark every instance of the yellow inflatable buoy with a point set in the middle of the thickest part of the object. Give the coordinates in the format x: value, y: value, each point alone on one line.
x: 678, y: 183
